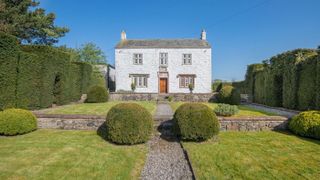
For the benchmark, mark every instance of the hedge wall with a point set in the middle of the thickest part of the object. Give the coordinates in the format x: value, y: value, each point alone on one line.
x: 290, y: 79
x: 34, y: 77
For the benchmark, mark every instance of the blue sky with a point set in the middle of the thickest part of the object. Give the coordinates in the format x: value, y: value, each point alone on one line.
x: 241, y: 32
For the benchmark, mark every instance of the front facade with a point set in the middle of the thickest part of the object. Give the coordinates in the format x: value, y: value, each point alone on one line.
x: 163, y: 66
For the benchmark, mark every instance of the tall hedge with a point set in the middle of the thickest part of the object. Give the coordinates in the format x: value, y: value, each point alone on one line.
x: 318, y: 81
x: 250, y: 76
x: 29, y: 81
x: 9, y: 49
x: 34, y: 76
x: 307, y: 85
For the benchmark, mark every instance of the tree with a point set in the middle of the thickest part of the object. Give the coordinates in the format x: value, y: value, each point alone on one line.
x: 92, y: 54
x: 23, y: 19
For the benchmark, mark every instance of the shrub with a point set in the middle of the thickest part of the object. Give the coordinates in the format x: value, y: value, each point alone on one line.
x: 97, y: 94
x: 229, y: 95
x: 129, y: 123
x: 306, y: 124
x: 170, y: 98
x: 196, y: 122
x: 226, y: 110
x: 17, y: 121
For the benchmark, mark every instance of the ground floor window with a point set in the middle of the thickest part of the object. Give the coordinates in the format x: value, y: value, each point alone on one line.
x: 185, y: 80
x: 141, y: 81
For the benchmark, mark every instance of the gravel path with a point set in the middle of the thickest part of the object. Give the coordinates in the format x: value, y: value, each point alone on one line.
x: 280, y: 111
x: 166, y: 158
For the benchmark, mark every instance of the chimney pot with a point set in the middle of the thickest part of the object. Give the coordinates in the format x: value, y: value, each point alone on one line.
x: 123, y: 35
x: 203, y: 35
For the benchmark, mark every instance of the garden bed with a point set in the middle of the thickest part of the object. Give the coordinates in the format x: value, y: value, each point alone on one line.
x: 68, y: 155
x: 255, y: 155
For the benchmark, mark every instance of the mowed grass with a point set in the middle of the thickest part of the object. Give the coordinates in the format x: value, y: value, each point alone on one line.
x: 256, y: 155
x: 60, y: 154
x: 96, y: 108
x: 243, y: 110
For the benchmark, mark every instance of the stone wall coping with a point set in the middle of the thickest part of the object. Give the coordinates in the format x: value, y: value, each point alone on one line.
x: 69, y: 116
x: 252, y: 118
x: 220, y: 118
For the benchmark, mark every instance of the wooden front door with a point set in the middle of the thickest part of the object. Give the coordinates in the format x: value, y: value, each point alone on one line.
x: 163, y: 85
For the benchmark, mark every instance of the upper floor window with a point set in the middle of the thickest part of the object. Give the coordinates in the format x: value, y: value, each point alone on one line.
x: 187, y: 59
x: 163, y: 59
x: 137, y: 59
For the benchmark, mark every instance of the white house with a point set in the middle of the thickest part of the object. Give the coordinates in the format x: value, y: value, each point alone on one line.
x: 163, y: 65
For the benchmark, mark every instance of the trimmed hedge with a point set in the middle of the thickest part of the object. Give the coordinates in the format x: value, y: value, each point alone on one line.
x: 290, y: 80
x: 306, y: 124
x: 9, y: 50
x: 128, y: 123
x: 195, y: 122
x: 17, y: 121
x: 33, y: 77
x: 97, y: 94
x: 226, y: 110
x: 229, y: 95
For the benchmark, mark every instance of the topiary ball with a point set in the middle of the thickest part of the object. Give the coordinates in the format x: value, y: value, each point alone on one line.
x: 195, y: 122
x: 97, y: 94
x: 17, y: 121
x: 128, y: 123
x: 306, y: 124
x: 229, y: 95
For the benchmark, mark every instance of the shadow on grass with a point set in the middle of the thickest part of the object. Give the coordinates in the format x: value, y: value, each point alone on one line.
x: 289, y: 133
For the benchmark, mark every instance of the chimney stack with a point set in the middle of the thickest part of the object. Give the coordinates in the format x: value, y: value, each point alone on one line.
x: 203, y: 35
x: 123, y: 35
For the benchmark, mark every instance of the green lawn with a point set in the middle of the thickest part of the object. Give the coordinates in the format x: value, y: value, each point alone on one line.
x: 256, y: 155
x: 243, y: 110
x: 59, y: 154
x: 96, y: 108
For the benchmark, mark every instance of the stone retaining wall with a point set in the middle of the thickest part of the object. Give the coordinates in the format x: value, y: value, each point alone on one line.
x: 85, y: 122
x: 195, y: 97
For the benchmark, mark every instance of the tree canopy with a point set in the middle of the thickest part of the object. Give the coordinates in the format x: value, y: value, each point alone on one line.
x: 25, y: 20
x: 92, y: 54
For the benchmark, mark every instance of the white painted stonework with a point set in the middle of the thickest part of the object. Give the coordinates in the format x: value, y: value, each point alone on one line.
x: 200, y: 67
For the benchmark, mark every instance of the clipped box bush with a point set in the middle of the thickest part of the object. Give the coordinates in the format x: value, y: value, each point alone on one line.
x: 229, y: 95
x: 195, y: 122
x: 17, y: 121
x: 306, y: 124
x: 97, y: 94
x: 226, y: 110
x: 128, y: 123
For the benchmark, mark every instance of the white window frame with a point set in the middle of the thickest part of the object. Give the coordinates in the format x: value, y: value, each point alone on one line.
x: 187, y: 59
x: 137, y: 58
x: 185, y: 80
x: 163, y: 59
x: 141, y: 81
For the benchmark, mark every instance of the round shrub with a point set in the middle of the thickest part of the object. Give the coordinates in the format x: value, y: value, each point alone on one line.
x: 306, y: 124
x: 97, y: 94
x: 226, y: 110
x: 129, y: 123
x: 17, y: 121
x: 195, y: 122
x: 229, y: 95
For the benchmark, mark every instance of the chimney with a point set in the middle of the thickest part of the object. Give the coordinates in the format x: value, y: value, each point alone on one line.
x: 203, y: 35
x: 123, y: 35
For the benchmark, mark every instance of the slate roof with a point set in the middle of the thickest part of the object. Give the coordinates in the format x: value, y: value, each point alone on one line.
x: 162, y: 43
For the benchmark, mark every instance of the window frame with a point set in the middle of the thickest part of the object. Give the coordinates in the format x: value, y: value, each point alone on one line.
x: 187, y: 59
x: 137, y: 58
x: 185, y: 80
x: 163, y: 58
x: 141, y: 81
